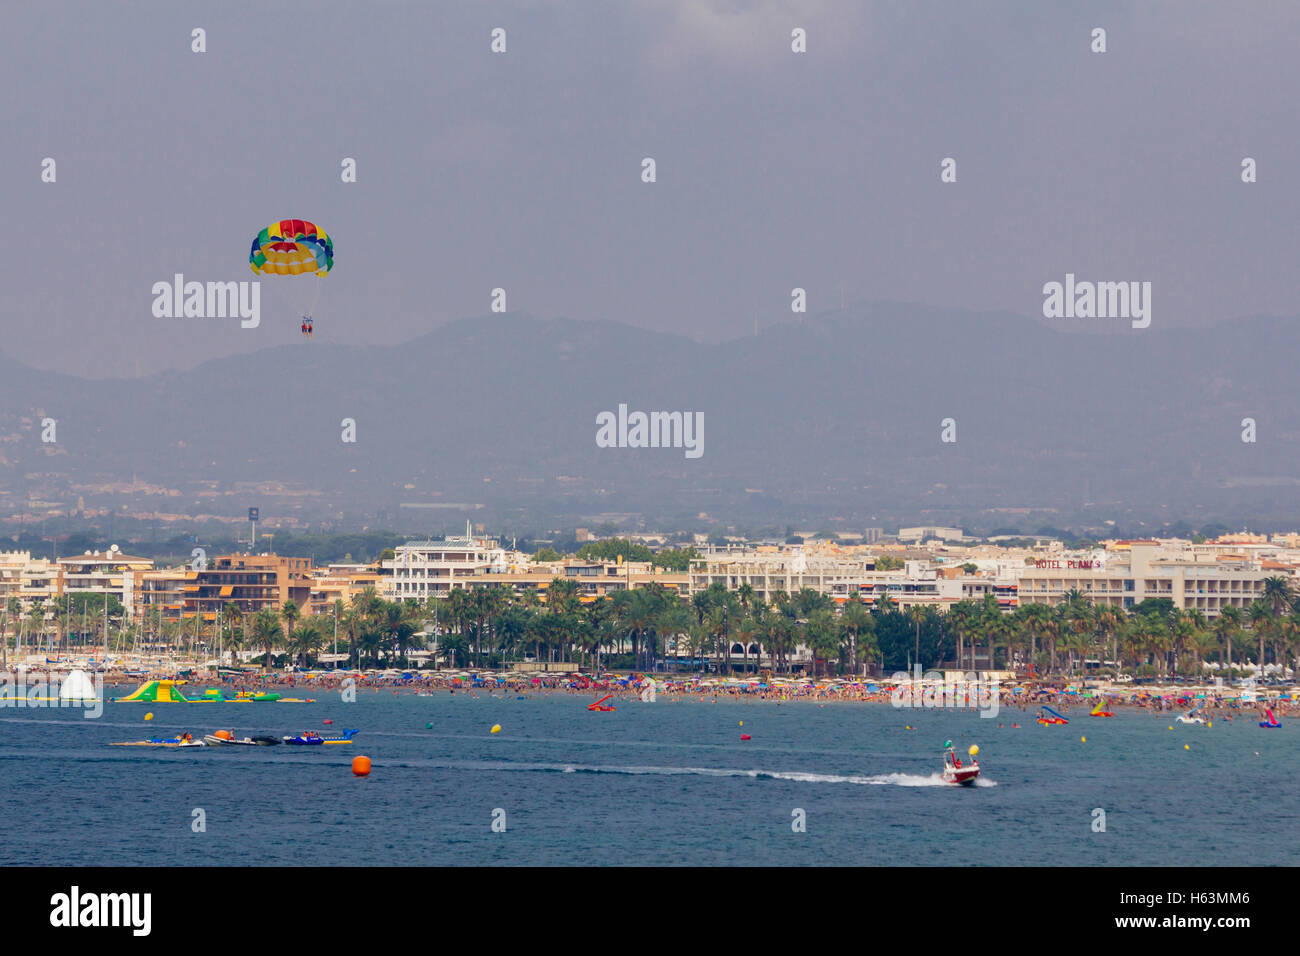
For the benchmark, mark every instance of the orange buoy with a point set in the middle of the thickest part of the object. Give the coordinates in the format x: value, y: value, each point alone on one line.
x: 361, y: 766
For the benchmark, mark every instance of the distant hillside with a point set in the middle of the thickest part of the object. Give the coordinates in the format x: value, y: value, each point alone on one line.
x: 838, y: 417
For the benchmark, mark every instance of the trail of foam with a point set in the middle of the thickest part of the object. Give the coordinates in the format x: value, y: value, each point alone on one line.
x: 888, y: 779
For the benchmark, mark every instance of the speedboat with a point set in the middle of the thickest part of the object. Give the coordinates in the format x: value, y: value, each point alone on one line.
x: 955, y: 772
x: 223, y: 737
x: 309, y: 738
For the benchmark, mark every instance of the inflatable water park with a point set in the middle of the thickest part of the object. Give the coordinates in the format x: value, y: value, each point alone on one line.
x: 169, y: 692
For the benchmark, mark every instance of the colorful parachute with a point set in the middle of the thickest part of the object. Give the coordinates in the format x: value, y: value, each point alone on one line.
x: 292, y: 247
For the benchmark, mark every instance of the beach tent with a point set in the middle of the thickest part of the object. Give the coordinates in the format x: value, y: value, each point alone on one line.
x: 77, y: 687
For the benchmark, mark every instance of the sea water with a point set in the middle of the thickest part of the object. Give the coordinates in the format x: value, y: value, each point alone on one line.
x: 666, y: 783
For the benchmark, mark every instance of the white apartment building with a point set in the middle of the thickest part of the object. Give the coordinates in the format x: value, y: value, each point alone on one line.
x: 26, y: 578
x: 847, y: 576
x: 432, y: 568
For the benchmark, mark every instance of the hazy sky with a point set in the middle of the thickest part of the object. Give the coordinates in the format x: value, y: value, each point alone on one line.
x: 522, y: 170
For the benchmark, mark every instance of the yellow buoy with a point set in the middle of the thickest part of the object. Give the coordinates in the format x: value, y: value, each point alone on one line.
x: 909, y: 726
x: 1171, y: 727
x: 1083, y: 740
x: 496, y: 728
x: 974, y: 749
x: 149, y: 716
x: 1187, y: 746
x: 742, y: 723
x: 361, y: 766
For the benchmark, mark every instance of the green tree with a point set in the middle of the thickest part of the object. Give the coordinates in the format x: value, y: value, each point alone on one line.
x: 267, y: 632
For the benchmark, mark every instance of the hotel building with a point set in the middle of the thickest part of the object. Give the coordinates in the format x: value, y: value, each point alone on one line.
x: 1131, y: 572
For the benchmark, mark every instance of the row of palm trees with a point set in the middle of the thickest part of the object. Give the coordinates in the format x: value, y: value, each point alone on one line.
x: 487, y: 625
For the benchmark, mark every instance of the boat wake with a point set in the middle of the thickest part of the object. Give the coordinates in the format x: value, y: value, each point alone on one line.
x: 797, y: 776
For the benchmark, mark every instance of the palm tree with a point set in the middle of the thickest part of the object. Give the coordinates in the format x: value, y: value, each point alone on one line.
x: 1109, y: 622
x: 1227, y: 626
x: 1195, y: 636
x: 306, y: 639
x: 36, y: 617
x: 13, y: 608
x: 963, y: 619
x: 290, y: 614
x: 1260, y: 615
x: 821, y: 635
x: 917, y: 612
x: 1077, y: 616
x: 859, y: 627
x: 267, y: 632
x: 1278, y: 593
x: 1003, y: 631
x: 231, y: 616
x: 512, y: 628
x: 1289, y: 627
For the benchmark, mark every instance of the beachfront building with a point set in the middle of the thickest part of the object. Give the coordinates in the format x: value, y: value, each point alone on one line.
x: 939, y: 588
x: 768, y: 570
x: 432, y: 568
x: 161, y: 595
x: 1129, y: 572
x: 26, y: 578
x: 847, y: 574
x: 104, y: 572
x: 341, y: 582
x: 249, y: 581
x: 594, y: 579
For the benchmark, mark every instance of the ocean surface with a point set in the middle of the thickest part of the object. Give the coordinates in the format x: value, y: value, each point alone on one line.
x: 668, y: 783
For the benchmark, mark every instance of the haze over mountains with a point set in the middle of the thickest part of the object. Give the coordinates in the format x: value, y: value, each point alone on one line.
x: 835, y: 421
